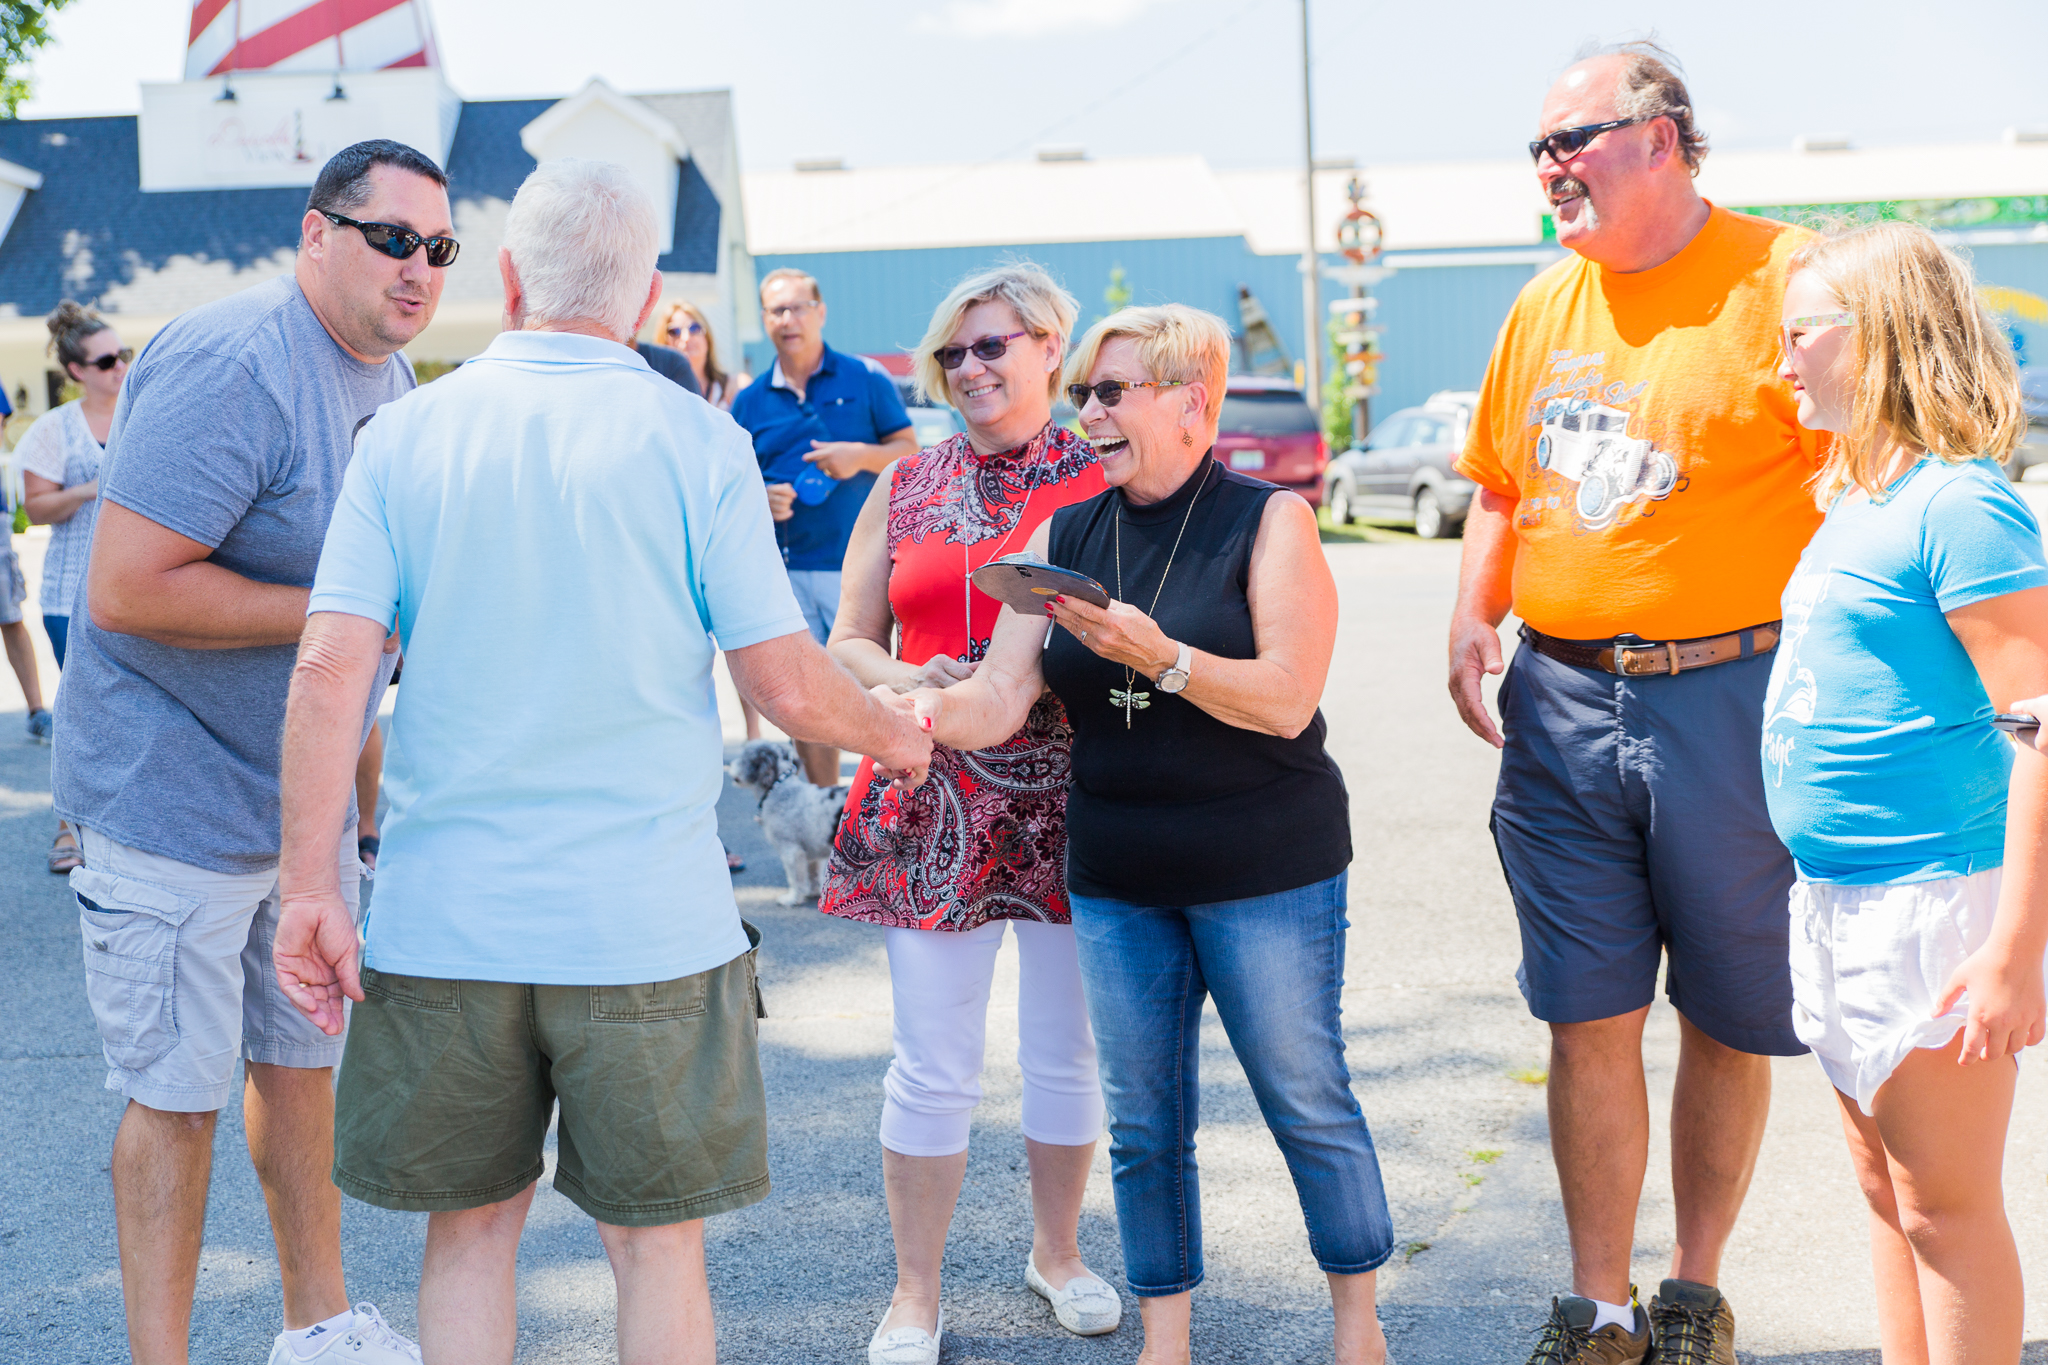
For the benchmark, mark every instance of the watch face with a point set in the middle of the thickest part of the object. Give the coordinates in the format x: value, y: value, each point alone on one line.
x: 1172, y: 680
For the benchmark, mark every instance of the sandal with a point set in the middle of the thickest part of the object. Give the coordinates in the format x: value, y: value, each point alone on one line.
x: 734, y: 863
x: 64, y: 853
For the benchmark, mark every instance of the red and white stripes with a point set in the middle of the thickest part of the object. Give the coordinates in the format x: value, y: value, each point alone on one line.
x: 307, y: 35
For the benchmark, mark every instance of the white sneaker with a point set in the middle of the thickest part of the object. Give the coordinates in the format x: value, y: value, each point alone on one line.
x: 369, y: 1340
x: 1086, y: 1307
x: 907, y: 1345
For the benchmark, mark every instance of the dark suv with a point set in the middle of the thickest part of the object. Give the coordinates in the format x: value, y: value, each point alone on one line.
x: 1404, y: 471
x: 1269, y: 431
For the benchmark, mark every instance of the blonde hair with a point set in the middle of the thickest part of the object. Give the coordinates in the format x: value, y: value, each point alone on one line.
x: 1174, y: 342
x: 1932, y: 370
x: 712, y: 374
x: 1033, y: 295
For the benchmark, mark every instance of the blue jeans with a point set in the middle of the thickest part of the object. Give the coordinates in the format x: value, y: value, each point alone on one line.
x: 1276, y: 967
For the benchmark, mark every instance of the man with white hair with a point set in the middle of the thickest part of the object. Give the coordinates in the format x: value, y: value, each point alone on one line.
x: 558, y: 532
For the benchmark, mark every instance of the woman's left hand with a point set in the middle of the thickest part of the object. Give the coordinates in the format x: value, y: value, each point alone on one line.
x: 2007, y: 1011
x: 1119, y: 632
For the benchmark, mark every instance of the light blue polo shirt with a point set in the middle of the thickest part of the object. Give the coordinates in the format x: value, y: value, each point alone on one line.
x: 559, y: 532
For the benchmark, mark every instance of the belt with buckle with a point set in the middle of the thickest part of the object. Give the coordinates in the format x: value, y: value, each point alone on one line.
x: 1638, y: 659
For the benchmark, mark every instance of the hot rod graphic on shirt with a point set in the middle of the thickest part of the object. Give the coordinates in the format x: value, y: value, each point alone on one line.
x: 1588, y: 444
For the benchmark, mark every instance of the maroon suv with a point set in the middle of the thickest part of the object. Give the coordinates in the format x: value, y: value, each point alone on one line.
x: 1270, y: 432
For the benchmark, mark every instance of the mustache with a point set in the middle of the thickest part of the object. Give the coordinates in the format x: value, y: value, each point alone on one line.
x: 1569, y: 187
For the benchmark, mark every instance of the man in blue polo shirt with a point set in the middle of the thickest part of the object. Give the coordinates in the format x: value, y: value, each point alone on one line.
x: 824, y: 424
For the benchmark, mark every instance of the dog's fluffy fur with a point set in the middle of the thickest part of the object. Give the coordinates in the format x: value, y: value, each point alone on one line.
x: 800, y: 818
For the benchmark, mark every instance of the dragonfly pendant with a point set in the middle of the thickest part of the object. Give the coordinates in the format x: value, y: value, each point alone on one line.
x: 1119, y: 697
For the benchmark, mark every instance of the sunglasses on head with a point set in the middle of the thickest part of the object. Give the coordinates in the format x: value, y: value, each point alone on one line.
x: 111, y: 359
x: 988, y: 348
x: 692, y: 329
x: 1566, y: 143
x: 399, y: 243
x: 1110, y: 392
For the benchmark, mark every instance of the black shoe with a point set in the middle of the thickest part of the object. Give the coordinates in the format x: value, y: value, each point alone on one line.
x: 1693, y: 1324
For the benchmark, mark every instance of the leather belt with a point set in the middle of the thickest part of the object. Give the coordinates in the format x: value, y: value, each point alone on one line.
x: 1638, y: 659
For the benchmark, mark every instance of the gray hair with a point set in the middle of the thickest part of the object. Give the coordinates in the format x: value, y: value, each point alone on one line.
x: 790, y: 272
x: 1650, y: 87
x: 584, y: 238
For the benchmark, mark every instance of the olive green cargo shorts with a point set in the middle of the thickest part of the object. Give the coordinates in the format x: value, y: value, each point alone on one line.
x: 447, y: 1087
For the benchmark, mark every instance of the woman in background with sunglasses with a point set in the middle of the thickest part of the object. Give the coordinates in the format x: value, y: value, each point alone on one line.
x: 1208, y: 832
x: 59, y: 458
x: 982, y: 844
x: 683, y: 327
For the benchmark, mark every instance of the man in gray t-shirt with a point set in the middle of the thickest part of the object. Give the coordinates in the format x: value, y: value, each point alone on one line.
x: 222, y: 469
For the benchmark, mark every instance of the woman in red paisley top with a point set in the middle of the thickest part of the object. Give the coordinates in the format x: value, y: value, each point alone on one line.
x: 981, y: 845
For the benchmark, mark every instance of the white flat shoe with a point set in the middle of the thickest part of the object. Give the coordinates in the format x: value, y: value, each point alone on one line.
x: 907, y: 1345
x: 1086, y: 1307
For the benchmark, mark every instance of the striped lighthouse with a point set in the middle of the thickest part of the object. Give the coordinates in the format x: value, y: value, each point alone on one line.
x: 307, y: 36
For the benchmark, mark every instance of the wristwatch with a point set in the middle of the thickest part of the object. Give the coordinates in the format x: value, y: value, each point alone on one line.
x: 1176, y: 677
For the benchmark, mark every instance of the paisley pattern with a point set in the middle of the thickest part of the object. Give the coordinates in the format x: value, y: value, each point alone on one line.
x: 985, y: 838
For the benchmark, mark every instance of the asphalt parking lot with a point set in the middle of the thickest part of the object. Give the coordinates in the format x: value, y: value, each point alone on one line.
x: 1447, y: 1064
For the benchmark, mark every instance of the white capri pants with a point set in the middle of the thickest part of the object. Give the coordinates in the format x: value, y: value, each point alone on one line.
x: 941, y: 983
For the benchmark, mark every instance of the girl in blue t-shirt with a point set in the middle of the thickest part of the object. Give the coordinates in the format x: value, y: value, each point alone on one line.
x: 1920, y: 915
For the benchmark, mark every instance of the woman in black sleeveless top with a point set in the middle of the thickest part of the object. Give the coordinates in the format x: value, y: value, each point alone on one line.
x: 1207, y: 829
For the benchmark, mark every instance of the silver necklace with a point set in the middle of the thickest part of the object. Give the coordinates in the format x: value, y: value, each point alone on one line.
x: 1126, y: 697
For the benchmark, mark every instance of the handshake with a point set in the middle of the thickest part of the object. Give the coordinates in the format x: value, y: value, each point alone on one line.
x: 906, y: 760
x: 918, y: 708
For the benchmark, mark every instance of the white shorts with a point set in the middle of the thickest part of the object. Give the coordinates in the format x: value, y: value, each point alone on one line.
x: 1869, y: 963
x: 13, y: 587
x: 179, y: 977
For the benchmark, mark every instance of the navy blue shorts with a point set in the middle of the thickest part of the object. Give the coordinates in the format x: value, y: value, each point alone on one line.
x: 1630, y: 822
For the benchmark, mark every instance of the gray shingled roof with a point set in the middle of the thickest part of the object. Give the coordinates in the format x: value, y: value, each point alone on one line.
x: 90, y: 227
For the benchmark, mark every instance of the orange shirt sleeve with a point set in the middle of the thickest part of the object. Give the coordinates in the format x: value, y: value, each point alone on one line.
x: 1486, y: 460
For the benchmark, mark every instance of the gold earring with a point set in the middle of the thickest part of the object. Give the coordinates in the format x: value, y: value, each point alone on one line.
x: 1186, y: 439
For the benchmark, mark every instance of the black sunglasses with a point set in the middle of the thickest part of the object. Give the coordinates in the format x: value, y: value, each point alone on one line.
x: 111, y: 359
x: 1566, y: 143
x: 399, y: 243
x: 988, y: 348
x: 1110, y: 392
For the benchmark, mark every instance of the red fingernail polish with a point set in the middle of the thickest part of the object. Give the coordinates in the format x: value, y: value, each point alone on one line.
x: 1061, y: 600
x: 927, y: 722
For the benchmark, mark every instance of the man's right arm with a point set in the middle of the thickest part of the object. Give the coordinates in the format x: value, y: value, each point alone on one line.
x: 1485, y: 593
x: 195, y: 440
x: 797, y: 685
x: 147, y: 580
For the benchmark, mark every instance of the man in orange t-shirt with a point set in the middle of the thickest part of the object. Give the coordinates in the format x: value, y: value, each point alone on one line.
x: 1642, y: 502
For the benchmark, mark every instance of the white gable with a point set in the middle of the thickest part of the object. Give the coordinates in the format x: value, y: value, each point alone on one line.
x: 600, y: 123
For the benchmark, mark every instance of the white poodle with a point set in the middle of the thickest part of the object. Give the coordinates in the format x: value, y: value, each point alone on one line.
x: 799, y: 817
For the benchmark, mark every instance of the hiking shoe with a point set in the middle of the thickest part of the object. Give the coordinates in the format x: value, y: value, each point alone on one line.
x: 41, y: 725
x: 1568, y: 1338
x: 1693, y: 1324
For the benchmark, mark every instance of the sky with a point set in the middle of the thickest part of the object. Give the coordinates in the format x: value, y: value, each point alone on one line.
x: 881, y: 82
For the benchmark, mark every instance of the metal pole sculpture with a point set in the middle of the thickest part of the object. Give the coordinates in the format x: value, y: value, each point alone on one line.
x: 1359, y: 234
